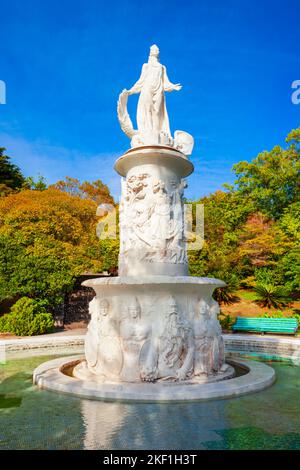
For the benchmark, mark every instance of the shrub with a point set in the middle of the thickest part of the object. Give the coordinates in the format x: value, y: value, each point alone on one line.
x: 264, y: 276
x: 278, y: 314
x: 28, y: 317
x: 226, y: 321
x: 225, y: 295
x: 272, y: 296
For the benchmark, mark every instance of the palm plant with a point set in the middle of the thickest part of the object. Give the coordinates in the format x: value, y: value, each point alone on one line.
x: 272, y: 296
x: 226, y: 321
x: 226, y: 295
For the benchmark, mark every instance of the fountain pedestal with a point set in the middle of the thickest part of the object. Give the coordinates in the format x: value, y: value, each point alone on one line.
x: 153, y: 322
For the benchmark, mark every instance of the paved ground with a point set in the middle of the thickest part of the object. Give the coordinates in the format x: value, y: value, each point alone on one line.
x: 65, y: 332
x: 82, y: 331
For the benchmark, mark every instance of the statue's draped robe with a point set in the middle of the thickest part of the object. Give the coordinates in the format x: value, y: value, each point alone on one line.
x: 152, y: 113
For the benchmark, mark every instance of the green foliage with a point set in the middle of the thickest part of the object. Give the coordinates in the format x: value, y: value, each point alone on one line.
x: 288, y: 269
x: 294, y: 137
x: 226, y: 321
x: 271, y: 181
x: 28, y: 317
x: 226, y: 295
x: 255, y: 225
x: 272, y: 296
x: 11, y: 177
x: 38, y: 185
x: 47, y: 239
x: 264, y: 276
x: 278, y: 314
x: 44, y: 270
x: 297, y: 316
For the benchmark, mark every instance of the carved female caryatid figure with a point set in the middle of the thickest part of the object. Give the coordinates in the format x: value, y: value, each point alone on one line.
x: 102, y: 346
x: 202, y: 361
x: 161, y: 216
x: 152, y: 116
x: 218, y: 349
x: 134, y: 332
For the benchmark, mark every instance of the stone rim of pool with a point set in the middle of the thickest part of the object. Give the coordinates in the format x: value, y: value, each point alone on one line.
x: 55, y: 375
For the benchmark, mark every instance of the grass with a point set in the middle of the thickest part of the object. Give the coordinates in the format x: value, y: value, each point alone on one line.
x: 246, y: 295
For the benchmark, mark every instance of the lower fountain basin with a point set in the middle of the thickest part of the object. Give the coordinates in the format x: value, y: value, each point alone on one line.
x: 57, y: 375
x: 81, y: 371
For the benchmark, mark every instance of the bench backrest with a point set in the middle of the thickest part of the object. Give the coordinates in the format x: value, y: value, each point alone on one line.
x: 261, y: 323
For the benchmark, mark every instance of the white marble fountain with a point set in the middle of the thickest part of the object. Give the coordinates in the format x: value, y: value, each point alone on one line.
x: 154, y: 332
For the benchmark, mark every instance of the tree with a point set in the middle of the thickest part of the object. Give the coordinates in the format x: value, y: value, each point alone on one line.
x: 31, y: 183
x: 260, y: 243
x: 272, y: 180
x: 96, y: 191
x: 47, y: 239
x: 11, y: 177
x: 288, y: 266
x: 224, y: 213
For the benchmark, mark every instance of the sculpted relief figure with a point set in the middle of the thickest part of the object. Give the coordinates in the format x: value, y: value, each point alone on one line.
x: 152, y: 219
x: 172, y: 349
x: 92, y: 336
x: 218, y: 349
x: 102, y: 345
x: 134, y: 212
x: 134, y: 332
x: 209, y: 343
x: 177, y: 243
x: 202, y: 356
x: 160, y: 217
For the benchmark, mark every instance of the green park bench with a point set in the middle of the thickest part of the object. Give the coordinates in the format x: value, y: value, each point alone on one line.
x: 266, y: 325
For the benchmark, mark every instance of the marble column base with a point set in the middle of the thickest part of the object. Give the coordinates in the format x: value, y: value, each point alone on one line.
x: 149, y: 328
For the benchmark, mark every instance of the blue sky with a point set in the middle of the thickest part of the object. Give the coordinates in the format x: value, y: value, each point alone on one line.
x: 65, y: 62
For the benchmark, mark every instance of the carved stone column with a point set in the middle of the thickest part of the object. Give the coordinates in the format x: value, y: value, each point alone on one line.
x: 153, y: 322
x: 152, y: 238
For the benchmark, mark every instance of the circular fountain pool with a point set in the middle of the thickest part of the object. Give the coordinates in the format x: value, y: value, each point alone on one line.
x: 31, y: 418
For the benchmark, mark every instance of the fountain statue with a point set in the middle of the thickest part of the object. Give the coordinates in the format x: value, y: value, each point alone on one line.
x: 153, y: 323
x: 154, y: 333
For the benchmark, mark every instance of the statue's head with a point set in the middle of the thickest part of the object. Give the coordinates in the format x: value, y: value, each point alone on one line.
x: 203, y: 307
x: 173, y: 183
x: 172, y: 306
x: 158, y: 186
x: 104, y: 307
x: 154, y: 51
x: 134, y: 309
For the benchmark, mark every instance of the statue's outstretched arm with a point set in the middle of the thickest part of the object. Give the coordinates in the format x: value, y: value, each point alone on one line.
x: 169, y: 86
x: 137, y: 87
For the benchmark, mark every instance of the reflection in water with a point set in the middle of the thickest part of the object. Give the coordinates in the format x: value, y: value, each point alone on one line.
x: 101, y: 420
x: 151, y: 426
